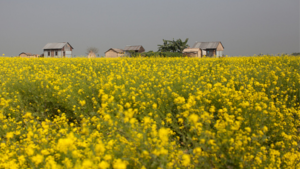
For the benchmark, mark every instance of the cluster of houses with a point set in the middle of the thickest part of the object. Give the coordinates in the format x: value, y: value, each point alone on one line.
x: 52, y: 50
x: 64, y: 49
x: 115, y: 52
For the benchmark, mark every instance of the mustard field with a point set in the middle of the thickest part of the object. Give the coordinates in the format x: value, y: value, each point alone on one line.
x: 150, y: 113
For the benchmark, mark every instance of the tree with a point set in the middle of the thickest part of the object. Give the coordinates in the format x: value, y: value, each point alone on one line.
x: 165, y: 47
x: 92, y: 49
x: 173, y: 46
x: 296, y: 54
x: 132, y: 53
x: 180, y: 45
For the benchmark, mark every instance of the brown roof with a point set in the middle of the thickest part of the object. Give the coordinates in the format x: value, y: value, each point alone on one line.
x: 116, y: 50
x: 188, y: 50
x: 28, y: 54
x: 136, y: 47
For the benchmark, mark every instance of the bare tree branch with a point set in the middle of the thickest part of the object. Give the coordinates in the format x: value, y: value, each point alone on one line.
x: 92, y: 49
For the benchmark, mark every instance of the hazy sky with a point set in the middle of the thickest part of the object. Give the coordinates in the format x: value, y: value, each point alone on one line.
x: 245, y: 27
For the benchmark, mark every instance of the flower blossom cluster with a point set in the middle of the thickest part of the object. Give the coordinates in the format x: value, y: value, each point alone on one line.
x: 150, y: 113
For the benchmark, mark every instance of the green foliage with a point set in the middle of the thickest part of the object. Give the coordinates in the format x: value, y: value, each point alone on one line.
x: 133, y: 53
x: 296, y: 54
x: 173, y: 46
x: 161, y: 54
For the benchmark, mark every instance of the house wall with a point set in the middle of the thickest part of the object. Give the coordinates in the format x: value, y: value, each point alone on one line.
x: 203, y: 52
x: 120, y: 54
x: 60, y: 53
x: 67, y: 47
x: 193, y: 53
x: 68, y: 54
x: 126, y: 53
x: 199, y: 53
x: 91, y: 55
x: 141, y: 50
x: 23, y: 55
x: 220, y: 47
x: 220, y: 50
x: 219, y: 53
x: 52, y: 53
x: 190, y: 54
x: 210, y: 52
x: 111, y: 54
x: 46, y: 53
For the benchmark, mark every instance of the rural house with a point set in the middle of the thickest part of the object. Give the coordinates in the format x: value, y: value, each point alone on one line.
x: 191, y: 52
x: 136, y: 49
x: 28, y: 55
x: 63, y: 49
x: 113, y: 53
x: 210, y: 48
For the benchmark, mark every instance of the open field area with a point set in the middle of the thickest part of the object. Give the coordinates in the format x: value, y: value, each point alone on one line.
x: 150, y: 113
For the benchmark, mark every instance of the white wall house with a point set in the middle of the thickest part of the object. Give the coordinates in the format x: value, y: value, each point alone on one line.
x: 63, y: 49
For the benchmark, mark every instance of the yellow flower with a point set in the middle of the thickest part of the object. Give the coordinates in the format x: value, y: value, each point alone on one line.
x: 163, y: 134
x: 265, y: 129
x: 37, y: 159
x: 194, y: 118
x: 82, y: 102
x: 197, y: 151
x: 154, y: 106
x: 248, y: 129
x: 185, y: 160
x: 45, y: 152
x: 9, y: 135
x: 212, y: 109
x: 100, y: 148
x: 119, y: 164
x: 107, y: 157
x: 103, y: 165
x: 21, y: 159
x: 87, y: 164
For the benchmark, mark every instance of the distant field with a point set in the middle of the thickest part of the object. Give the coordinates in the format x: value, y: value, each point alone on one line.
x: 150, y: 113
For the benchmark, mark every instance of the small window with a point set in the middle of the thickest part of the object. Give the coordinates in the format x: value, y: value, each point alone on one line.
x: 56, y: 53
x: 48, y: 53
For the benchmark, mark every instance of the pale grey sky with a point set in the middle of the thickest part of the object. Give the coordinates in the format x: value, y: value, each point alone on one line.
x: 245, y: 27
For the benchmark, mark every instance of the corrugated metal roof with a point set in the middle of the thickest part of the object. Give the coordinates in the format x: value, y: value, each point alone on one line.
x: 206, y: 45
x: 116, y: 50
x: 136, y: 47
x: 28, y: 54
x: 56, y: 45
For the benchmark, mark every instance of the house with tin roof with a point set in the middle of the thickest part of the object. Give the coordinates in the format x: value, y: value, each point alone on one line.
x: 191, y: 52
x: 134, y: 48
x: 210, y: 49
x: 28, y: 55
x: 63, y: 49
x: 113, y: 53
